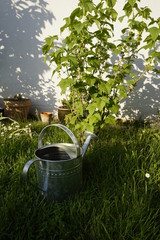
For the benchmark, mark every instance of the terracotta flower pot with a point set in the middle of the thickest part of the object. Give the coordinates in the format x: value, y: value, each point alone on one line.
x: 17, y: 108
x: 46, y: 117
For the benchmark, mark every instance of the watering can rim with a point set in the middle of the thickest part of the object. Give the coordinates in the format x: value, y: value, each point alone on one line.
x: 57, y: 161
x: 67, y: 130
x: 79, y: 151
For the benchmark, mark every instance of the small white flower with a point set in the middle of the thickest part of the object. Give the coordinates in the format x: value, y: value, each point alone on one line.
x: 147, y: 175
x: 16, y: 134
x: 4, y: 129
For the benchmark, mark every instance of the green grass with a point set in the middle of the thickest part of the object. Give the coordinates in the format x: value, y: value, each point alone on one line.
x: 117, y: 200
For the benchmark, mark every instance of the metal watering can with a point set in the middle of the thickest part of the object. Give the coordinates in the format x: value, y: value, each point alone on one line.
x: 58, y: 166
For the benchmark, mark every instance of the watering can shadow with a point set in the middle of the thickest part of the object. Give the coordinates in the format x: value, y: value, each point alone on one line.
x: 58, y: 166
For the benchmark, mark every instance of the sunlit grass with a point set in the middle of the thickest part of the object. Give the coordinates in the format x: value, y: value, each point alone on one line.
x: 120, y: 193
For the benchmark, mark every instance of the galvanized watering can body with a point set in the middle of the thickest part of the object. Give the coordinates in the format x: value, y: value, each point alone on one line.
x: 58, y: 166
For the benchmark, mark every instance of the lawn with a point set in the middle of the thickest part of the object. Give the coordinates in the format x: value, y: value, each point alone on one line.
x: 120, y: 195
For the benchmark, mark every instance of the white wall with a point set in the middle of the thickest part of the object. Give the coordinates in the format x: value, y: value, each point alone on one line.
x: 23, y: 27
x: 144, y: 101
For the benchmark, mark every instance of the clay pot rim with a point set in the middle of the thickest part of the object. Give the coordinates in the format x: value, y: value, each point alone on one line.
x: 64, y: 107
x: 46, y: 113
x: 15, y: 100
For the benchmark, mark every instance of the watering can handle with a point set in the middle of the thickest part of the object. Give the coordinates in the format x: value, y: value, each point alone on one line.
x: 26, y: 169
x: 70, y: 134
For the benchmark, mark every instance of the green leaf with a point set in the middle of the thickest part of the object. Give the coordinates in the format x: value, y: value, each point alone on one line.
x: 128, y: 9
x: 114, y: 109
x: 64, y: 84
x: 73, y: 120
x: 66, y: 25
x: 90, y: 81
x: 63, y: 27
x: 71, y: 45
x: 150, y: 43
x: 132, y: 2
x: 124, y: 30
x: 156, y: 70
x: 73, y: 60
x: 100, y: 103
x: 50, y: 40
x: 105, y: 87
x: 94, y: 118
x: 78, y: 27
x: 76, y: 12
x: 90, y: 69
x: 121, y: 18
x: 94, y: 62
x: 91, y: 108
x: 140, y: 26
x: 89, y: 127
x: 88, y: 6
x: 49, y: 43
x: 145, y: 12
x: 97, y: 23
x: 114, y: 14
x: 154, y: 31
x: 45, y: 49
x: 45, y: 58
x: 148, y: 39
x: 56, y: 70
x: 111, y: 3
x: 110, y: 120
x: 155, y: 54
x: 84, y: 126
x: 80, y: 109
x: 58, y: 52
x: 122, y: 92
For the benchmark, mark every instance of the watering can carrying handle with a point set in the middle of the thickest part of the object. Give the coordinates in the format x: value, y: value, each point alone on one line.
x: 70, y: 134
x: 26, y: 169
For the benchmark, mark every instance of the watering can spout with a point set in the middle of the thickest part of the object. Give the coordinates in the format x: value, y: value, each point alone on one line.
x: 89, y: 136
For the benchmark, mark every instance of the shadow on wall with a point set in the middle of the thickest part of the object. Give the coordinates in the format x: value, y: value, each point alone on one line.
x: 22, y: 65
x: 144, y: 102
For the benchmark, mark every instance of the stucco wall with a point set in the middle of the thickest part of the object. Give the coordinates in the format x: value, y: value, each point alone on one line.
x: 23, y: 27
x: 143, y: 102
